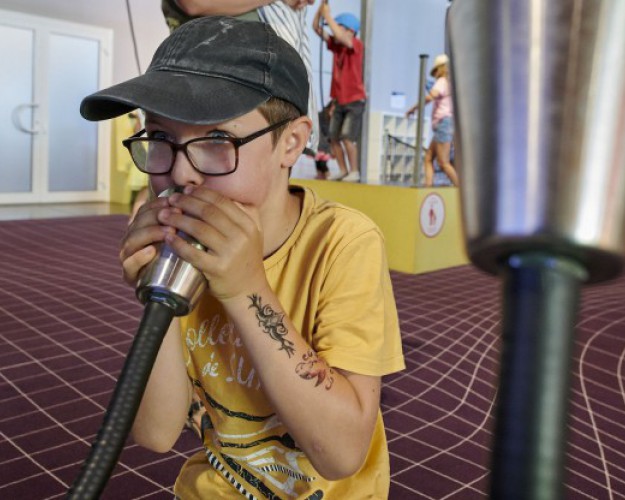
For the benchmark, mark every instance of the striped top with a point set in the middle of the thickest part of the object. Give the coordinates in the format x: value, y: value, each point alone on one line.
x: 290, y: 25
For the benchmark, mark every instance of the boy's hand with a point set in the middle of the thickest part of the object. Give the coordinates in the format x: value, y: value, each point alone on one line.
x: 231, y: 233
x: 138, y: 244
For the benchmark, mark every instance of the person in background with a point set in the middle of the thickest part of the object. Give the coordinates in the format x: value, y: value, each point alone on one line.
x: 324, y: 151
x: 287, y: 346
x: 442, y: 123
x: 347, y: 88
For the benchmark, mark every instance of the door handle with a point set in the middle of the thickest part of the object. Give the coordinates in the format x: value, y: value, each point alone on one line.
x: 16, y: 117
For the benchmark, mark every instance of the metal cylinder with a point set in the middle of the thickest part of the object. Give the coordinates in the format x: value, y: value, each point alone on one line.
x: 418, y: 157
x: 539, y: 96
x: 171, y: 280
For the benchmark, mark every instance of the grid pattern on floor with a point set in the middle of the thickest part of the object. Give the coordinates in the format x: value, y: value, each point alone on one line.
x: 67, y: 320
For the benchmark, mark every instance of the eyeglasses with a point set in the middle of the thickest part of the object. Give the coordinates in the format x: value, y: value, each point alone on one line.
x: 208, y: 155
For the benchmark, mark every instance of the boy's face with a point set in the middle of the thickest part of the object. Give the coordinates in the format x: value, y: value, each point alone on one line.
x: 259, y: 163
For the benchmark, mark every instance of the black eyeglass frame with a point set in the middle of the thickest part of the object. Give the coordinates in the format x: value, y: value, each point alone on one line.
x: 237, y: 142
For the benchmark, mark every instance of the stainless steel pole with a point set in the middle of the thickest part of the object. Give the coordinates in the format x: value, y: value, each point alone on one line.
x: 418, y: 157
x: 366, y: 15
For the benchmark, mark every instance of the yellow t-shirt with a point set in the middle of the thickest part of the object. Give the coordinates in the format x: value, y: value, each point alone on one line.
x: 331, y: 277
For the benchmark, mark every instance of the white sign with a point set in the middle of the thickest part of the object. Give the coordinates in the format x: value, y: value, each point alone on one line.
x: 398, y: 100
x: 432, y: 215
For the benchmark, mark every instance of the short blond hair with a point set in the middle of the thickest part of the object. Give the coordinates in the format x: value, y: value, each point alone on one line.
x: 276, y: 110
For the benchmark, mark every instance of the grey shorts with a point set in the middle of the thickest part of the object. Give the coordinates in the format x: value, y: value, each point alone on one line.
x: 346, y: 121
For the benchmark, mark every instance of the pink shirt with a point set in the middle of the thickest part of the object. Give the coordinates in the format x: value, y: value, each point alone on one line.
x: 443, y: 105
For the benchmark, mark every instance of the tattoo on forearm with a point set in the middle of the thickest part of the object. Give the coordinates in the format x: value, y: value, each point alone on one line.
x: 312, y: 366
x: 272, y: 323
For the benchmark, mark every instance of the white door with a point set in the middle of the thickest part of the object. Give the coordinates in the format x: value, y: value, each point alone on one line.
x: 49, y: 152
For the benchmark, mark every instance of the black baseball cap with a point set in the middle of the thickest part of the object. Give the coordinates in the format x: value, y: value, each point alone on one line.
x: 209, y: 70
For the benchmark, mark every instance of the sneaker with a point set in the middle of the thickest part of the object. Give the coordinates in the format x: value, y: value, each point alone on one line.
x: 322, y: 156
x: 337, y: 177
x: 352, y: 177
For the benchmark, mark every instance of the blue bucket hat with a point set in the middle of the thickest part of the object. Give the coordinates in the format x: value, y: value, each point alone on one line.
x: 350, y: 21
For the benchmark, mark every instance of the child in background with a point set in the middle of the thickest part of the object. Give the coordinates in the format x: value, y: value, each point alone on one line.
x: 323, y: 155
x: 347, y: 88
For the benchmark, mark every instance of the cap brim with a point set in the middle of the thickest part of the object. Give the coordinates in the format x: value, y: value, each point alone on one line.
x: 183, y: 97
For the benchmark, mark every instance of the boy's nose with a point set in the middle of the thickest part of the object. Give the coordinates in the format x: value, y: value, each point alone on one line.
x: 183, y: 173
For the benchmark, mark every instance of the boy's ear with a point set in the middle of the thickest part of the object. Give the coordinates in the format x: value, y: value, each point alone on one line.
x: 294, y: 140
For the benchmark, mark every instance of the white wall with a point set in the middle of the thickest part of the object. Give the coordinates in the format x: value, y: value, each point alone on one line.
x: 150, y: 27
x: 402, y: 30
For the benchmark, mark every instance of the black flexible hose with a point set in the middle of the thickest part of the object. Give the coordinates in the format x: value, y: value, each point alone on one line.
x: 540, y: 303
x: 124, y: 403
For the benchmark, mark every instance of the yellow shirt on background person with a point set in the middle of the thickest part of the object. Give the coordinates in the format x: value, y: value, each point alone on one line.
x: 331, y: 277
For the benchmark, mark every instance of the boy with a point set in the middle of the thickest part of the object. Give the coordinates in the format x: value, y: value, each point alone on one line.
x: 287, y: 346
x: 347, y: 87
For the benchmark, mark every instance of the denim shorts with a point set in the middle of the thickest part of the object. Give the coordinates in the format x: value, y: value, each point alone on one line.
x: 346, y: 121
x: 444, y: 130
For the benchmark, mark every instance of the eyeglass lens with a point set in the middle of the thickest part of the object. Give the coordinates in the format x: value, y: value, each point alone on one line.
x: 210, y: 155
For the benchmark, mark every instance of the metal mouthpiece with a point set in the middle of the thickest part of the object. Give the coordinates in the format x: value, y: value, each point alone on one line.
x: 169, y: 279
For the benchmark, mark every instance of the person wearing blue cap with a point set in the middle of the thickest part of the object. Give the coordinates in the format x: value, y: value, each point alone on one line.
x: 347, y: 88
x: 287, y: 346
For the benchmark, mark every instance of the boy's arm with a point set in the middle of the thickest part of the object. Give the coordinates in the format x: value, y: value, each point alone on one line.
x: 298, y: 4
x: 316, y: 25
x: 330, y: 413
x: 167, y: 397
x: 341, y: 35
x: 220, y: 7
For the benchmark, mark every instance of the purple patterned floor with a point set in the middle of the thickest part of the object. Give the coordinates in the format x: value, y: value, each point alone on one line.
x: 66, y: 323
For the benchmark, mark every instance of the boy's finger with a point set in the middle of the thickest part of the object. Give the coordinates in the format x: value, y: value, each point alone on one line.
x: 252, y: 212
